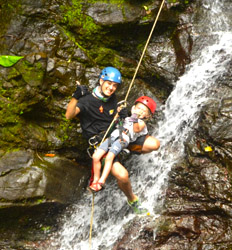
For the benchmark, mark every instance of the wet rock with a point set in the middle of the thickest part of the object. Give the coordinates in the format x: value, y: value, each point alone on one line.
x: 26, y: 179
x: 160, y: 60
x: 15, y: 160
x: 109, y: 14
x: 50, y: 64
x: 198, y: 202
x: 35, y: 190
x: 137, y: 236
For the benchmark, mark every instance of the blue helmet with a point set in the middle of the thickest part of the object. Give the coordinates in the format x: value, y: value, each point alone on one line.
x: 111, y: 74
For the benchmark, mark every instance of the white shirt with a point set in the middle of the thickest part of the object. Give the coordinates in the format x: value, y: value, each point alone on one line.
x: 131, y: 136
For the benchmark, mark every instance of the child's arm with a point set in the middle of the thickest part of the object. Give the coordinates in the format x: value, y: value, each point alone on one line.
x: 139, y: 126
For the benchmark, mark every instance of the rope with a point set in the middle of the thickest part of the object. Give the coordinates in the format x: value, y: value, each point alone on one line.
x: 126, y: 97
x: 91, y: 223
x: 144, y: 50
x: 115, y: 117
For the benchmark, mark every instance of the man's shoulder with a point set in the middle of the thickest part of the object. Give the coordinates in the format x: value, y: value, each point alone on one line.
x: 90, y: 97
x: 86, y: 98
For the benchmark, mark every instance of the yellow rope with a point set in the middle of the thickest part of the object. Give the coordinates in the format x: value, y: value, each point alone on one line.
x: 144, y: 50
x: 115, y: 117
x: 91, y: 223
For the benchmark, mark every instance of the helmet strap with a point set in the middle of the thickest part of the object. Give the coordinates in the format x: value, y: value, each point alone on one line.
x: 99, y: 94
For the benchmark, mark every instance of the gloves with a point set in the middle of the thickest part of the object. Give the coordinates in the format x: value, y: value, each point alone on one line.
x: 123, y: 113
x: 81, y: 90
x: 133, y: 118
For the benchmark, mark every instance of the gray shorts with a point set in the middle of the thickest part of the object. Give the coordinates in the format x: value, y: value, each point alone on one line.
x: 116, y: 145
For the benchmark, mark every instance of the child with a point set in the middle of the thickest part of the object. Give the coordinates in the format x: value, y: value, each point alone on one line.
x: 133, y: 127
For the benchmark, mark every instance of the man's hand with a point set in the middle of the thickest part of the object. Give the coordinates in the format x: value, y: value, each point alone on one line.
x: 123, y: 113
x: 122, y: 110
x: 81, y: 90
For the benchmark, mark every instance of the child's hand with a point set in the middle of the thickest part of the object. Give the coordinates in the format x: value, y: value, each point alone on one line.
x: 133, y: 118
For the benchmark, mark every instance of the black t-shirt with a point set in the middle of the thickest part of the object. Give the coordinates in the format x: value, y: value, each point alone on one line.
x: 96, y: 115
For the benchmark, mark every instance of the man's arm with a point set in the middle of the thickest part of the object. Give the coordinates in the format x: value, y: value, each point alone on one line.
x: 72, y: 109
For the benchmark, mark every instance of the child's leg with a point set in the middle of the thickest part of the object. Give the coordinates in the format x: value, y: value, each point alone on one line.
x: 97, y: 163
x: 108, y: 165
x: 115, y: 149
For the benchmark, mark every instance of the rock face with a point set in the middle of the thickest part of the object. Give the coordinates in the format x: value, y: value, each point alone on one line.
x: 64, y: 41
x: 24, y: 176
x: 34, y: 191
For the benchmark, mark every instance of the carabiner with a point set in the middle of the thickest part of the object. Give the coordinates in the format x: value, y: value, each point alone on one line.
x: 122, y: 104
x: 92, y: 140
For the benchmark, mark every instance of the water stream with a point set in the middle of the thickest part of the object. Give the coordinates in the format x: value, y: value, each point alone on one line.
x: 149, y: 173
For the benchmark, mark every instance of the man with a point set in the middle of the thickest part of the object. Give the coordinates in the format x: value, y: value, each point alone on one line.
x: 96, y: 111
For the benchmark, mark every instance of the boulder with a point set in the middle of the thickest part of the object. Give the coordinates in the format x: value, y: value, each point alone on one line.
x: 29, y: 179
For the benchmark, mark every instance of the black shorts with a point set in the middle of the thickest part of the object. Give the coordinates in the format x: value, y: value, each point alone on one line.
x: 136, y: 146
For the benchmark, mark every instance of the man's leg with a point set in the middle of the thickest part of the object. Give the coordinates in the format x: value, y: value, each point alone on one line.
x: 144, y: 144
x: 124, y: 184
x: 121, y: 174
x: 150, y: 144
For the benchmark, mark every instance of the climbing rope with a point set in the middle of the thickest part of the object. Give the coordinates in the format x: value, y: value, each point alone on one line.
x: 91, y: 223
x: 125, y: 100
x: 144, y: 50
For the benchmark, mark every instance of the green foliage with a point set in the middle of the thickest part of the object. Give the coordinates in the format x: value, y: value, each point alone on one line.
x: 45, y: 229
x: 10, y: 134
x: 65, y: 126
x: 8, y: 61
x: 104, y: 55
x: 41, y: 200
x: 32, y: 74
x: 75, y: 17
x: 178, y: 1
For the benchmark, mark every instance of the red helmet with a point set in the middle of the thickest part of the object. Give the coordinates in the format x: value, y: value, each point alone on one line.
x: 147, y: 101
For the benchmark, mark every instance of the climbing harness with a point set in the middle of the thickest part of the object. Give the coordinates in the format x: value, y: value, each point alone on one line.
x: 125, y: 101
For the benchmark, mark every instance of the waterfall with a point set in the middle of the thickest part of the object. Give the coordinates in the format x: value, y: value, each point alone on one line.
x: 149, y: 173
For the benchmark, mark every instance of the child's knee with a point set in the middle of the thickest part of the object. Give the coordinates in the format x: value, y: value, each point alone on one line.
x: 95, y: 157
x: 110, y: 156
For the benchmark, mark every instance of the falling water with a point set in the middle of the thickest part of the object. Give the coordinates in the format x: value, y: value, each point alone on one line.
x: 149, y: 173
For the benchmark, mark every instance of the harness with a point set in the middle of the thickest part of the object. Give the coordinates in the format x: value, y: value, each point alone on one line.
x: 96, y: 140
